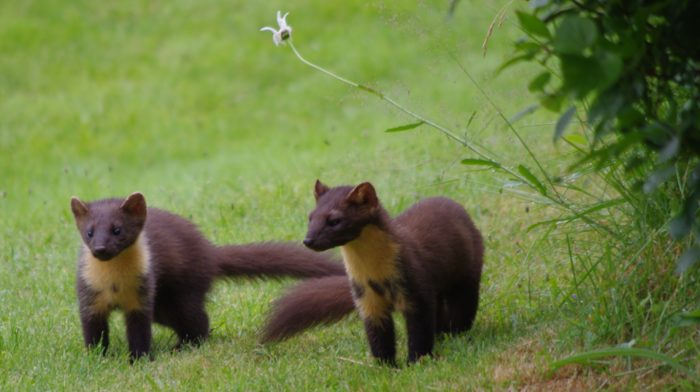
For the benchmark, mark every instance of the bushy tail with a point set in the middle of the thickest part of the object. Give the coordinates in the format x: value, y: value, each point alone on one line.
x: 275, y: 259
x: 312, y: 302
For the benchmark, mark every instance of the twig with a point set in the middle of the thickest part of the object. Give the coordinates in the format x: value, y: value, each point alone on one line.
x: 356, y: 362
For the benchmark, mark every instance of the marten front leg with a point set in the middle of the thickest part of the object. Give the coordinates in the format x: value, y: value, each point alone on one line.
x: 380, y: 335
x: 138, y: 333
x: 95, y: 330
x: 420, y: 326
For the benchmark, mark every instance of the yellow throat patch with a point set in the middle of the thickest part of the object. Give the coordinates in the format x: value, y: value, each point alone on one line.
x: 372, y: 257
x: 117, y: 282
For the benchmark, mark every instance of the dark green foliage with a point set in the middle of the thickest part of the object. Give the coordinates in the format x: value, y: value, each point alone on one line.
x: 633, y: 68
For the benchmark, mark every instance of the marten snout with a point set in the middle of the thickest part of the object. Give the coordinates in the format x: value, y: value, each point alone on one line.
x: 100, y: 252
x: 104, y: 252
x: 314, y: 244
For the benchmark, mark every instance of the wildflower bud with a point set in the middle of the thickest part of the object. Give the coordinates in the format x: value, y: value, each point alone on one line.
x: 283, y: 33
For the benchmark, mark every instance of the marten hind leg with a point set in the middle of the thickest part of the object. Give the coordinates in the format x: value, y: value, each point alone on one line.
x: 185, y: 315
x: 192, y: 324
x: 442, y: 320
x: 460, y: 310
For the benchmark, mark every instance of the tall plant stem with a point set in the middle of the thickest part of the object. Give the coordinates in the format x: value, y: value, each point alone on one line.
x: 392, y: 102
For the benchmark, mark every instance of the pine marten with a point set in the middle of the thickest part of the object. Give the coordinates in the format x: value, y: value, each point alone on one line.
x: 425, y: 263
x: 157, y: 266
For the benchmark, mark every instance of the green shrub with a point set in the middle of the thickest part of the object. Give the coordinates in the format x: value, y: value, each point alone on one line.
x: 633, y: 68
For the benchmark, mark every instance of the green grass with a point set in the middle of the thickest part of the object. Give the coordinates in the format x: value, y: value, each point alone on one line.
x: 187, y: 102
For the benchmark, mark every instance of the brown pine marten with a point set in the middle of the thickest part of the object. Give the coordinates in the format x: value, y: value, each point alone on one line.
x: 157, y: 266
x: 425, y: 263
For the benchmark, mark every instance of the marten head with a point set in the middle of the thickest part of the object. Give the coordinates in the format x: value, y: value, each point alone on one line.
x: 109, y: 226
x: 340, y: 214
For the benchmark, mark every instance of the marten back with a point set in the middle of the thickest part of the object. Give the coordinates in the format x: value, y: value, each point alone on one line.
x: 182, y: 256
x: 443, y: 239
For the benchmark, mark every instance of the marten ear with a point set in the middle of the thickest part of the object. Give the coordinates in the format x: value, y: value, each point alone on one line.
x: 363, y: 194
x: 135, y: 205
x: 80, y: 210
x: 319, y: 189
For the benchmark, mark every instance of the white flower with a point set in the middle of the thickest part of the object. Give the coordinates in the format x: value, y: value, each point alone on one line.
x: 284, y: 32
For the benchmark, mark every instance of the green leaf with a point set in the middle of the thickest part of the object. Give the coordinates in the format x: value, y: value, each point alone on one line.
x: 577, y: 139
x: 528, y: 110
x: 689, y: 258
x: 405, y: 127
x: 481, y: 162
x: 532, y: 180
x: 471, y: 118
x: 527, y: 46
x: 580, y: 74
x: 670, y: 149
x: 589, y: 356
x: 514, y: 60
x: 694, y: 179
x: 606, y: 105
x: 609, y: 152
x: 538, y: 3
x: 538, y: 83
x: 563, y: 122
x: 584, y: 74
x: 553, y: 102
x: 680, y: 226
x: 689, y: 318
x: 609, y: 66
x: 532, y: 24
x: 574, y: 35
x: 657, y: 178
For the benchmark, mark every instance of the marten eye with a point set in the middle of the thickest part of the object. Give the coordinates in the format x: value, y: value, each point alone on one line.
x: 90, y: 233
x: 333, y: 221
x: 116, y: 230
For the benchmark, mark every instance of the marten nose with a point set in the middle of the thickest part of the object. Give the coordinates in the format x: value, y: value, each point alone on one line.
x: 99, y: 251
x: 308, y: 241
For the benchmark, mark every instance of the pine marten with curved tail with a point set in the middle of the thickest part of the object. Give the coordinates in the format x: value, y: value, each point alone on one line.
x: 157, y: 266
x: 425, y: 263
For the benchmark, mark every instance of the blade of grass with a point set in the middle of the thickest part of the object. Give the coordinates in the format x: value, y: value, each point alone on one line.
x: 585, y: 357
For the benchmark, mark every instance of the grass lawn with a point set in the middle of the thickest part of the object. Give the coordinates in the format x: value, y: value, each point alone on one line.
x: 187, y: 102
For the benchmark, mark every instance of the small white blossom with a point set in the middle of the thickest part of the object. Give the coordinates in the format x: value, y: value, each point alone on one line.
x: 284, y: 32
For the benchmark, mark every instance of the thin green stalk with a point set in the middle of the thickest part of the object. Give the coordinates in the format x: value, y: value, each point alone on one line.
x: 385, y: 98
x: 508, y: 123
x: 316, y: 67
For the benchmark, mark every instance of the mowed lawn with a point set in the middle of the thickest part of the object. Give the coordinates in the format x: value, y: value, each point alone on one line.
x: 189, y: 103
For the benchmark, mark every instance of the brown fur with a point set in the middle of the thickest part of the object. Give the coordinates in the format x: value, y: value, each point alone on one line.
x: 425, y: 263
x: 157, y: 266
x: 311, y: 302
